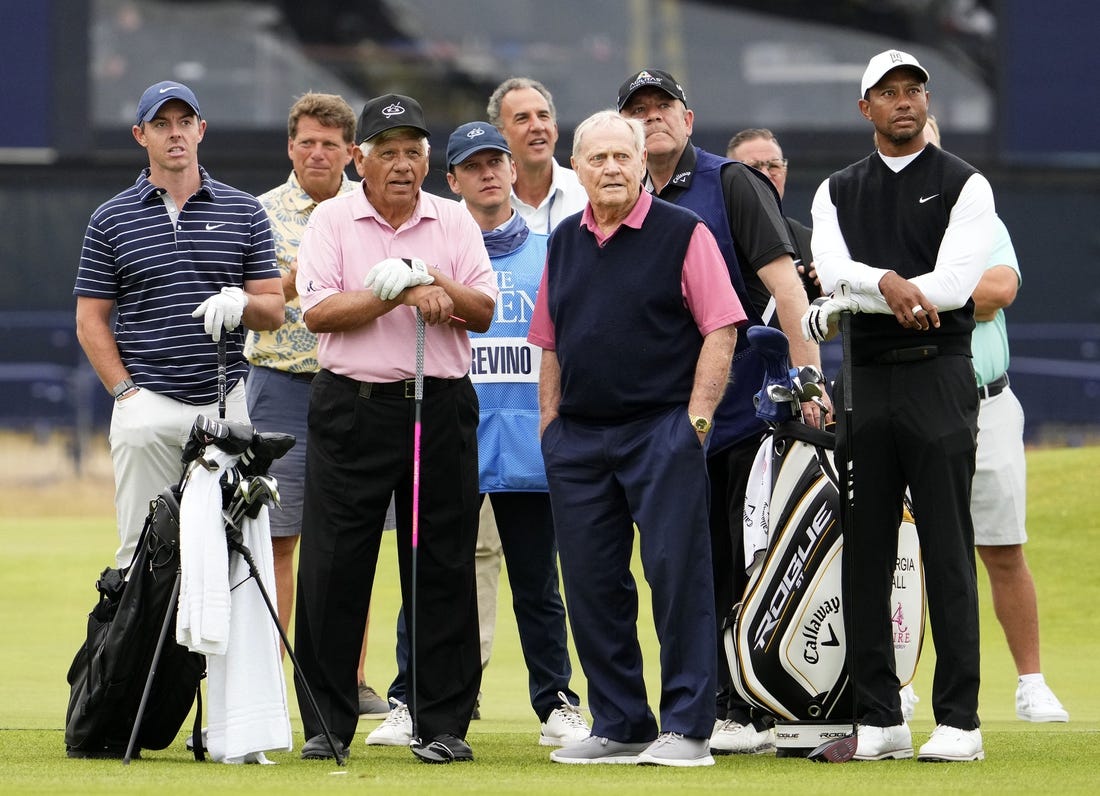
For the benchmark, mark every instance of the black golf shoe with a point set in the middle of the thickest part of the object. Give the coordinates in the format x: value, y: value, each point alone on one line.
x: 446, y: 748
x: 317, y: 748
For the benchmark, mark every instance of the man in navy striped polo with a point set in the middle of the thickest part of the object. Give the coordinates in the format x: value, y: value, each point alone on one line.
x: 183, y: 259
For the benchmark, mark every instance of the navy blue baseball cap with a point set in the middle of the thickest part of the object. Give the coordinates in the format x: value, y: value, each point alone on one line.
x: 159, y: 93
x: 473, y: 137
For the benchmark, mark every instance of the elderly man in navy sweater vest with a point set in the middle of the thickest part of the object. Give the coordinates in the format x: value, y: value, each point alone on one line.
x: 636, y: 318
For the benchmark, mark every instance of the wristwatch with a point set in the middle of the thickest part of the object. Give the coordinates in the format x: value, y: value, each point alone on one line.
x: 700, y: 423
x: 123, y: 387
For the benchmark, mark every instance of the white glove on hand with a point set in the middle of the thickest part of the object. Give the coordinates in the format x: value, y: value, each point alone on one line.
x: 388, y: 278
x: 818, y: 322
x: 222, y: 311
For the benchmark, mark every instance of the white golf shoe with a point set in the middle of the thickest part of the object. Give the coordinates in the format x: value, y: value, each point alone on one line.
x: 883, y: 743
x: 733, y: 738
x: 564, y: 725
x: 396, y: 730
x: 1036, y: 702
x: 952, y: 745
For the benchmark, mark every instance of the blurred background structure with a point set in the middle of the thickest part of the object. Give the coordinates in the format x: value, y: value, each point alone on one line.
x: 1010, y: 86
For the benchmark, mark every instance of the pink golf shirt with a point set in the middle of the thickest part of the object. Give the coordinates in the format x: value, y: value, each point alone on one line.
x: 345, y: 238
x: 705, y: 282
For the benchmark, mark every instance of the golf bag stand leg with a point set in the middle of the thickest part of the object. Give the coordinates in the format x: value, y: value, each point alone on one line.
x: 169, y: 615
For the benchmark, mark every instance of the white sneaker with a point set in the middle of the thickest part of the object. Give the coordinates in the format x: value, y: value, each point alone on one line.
x: 396, y: 730
x: 883, y: 743
x: 732, y: 738
x: 909, y: 700
x: 564, y: 725
x: 950, y: 745
x: 1036, y: 702
x: 673, y: 749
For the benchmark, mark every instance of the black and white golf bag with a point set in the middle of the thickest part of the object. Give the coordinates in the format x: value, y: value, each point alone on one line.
x: 785, y: 641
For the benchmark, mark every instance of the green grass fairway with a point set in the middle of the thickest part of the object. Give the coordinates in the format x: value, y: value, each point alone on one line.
x: 47, y: 576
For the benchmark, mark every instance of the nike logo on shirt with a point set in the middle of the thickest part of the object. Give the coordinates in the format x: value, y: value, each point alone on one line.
x: 924, y: 199
x: 213, y: 226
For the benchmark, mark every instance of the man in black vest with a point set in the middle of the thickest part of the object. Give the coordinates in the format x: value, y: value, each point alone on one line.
x: 636, y: 317
x: 910, y: 229
x: 741, y: 208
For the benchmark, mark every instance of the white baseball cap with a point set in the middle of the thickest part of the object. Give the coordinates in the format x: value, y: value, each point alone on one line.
x: 882, y: 63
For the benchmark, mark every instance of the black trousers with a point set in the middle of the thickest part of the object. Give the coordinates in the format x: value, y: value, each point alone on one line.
x: 360, y: 451
x: 914, y: 424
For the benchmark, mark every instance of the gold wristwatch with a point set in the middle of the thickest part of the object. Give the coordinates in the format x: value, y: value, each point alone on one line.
x: 700, y: 423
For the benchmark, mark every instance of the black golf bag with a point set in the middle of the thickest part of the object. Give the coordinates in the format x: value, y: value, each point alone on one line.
x: 785, y: 640
x: 109, y: 672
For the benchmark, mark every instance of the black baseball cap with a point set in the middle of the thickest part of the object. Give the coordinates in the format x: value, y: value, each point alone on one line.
x: 387, y: 112
x: 656, y: 78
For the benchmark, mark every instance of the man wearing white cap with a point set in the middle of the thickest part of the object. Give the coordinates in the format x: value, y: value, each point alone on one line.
x: 185, y: 261
x: 910, y: 229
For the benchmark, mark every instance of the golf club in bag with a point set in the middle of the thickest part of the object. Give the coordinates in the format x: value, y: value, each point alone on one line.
x: 785, y: 640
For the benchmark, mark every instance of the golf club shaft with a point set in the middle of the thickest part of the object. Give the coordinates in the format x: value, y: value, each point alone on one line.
x: 418, y: 399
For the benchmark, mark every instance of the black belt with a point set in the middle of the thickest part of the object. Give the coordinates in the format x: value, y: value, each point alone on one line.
x: 897, y: 356
x: 406, y: 388
x: 995, y: 387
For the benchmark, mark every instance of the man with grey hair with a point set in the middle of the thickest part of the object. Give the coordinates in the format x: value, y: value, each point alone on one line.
x: 370, y: 263
x: 740, y: 207
x: 544, y: 192
x: 623, y: 385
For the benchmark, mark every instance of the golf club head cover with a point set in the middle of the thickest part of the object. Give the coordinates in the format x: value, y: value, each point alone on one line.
x: 233, y: 438
x: 774, y: 350
x: 265, y: 447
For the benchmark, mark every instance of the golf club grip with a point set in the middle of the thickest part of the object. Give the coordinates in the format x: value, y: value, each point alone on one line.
x: 221, y: 378
x: 846, y: 361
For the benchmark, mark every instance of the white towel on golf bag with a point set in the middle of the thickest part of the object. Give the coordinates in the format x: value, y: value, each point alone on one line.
x: 758, y: 498
x: 202, y: 624
x: 246, y: 691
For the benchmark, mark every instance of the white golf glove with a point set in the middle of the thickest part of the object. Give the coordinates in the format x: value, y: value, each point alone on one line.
x: 222, y: 311
x: 388, y: 278
x: 819, y: 322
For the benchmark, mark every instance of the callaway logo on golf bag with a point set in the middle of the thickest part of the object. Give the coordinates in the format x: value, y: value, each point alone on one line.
x: 108, y: 674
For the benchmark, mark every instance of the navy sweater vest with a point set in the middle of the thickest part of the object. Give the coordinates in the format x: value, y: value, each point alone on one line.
x: 897, y: 221
x: 626, y: 343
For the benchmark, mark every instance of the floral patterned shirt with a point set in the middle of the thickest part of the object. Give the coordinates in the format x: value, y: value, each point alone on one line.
x: 291, y: 347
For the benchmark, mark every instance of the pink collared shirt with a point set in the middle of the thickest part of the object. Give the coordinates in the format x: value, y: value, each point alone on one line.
x: 345, y: 238
x: 705, y: 281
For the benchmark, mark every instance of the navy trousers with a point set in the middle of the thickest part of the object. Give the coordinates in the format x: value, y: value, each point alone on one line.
x: 526, y: 529
x: 603, y: 479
